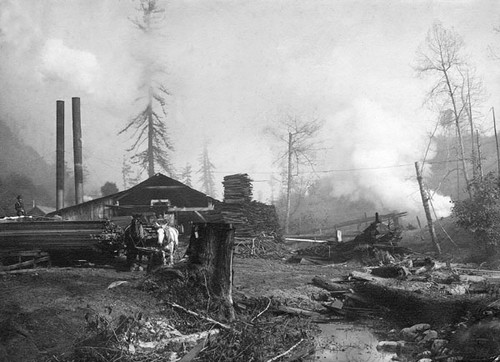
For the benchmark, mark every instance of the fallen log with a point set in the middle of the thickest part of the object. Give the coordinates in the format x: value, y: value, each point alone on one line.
x: 366, y: 277
x: 411, y: 307
x: 390, y: 271
x: 297, y: 311
x: 25, y: 264
x: 330, y: 286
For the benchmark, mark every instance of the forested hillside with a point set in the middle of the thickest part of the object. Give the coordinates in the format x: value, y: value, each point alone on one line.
x: 319, y: 209
x: 446, y: 175
x: 23, y: 171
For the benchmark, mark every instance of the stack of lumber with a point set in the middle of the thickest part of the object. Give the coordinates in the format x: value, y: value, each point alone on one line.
x: 237, y: 188
x: 251, y: 218
x: 50, y: 235
x: 237, y: 191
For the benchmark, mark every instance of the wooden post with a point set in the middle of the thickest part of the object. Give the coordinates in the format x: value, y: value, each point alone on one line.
x: 211, y: 246
x: 420, y: 228
x: 425, y: 202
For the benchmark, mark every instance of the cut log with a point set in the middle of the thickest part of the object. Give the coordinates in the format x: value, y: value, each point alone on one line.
x: 25, y: 264
x: 368, y: 277
x: 298, y: 311
x: 330, y: 286
x: 390, y: 271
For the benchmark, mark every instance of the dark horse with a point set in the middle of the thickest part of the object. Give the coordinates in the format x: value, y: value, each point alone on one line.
x: 134, y: 236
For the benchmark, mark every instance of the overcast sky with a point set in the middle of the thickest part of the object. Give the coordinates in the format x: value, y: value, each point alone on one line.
x: 235, y: 67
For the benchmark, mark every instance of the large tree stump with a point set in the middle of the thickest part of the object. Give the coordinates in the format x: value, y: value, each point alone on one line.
x: 211, y: 252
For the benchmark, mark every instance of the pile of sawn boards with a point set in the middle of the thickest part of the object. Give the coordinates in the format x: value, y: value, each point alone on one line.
x: 50, y: 235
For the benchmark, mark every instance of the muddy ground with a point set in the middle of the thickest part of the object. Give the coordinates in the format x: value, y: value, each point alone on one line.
x: 43, y: 313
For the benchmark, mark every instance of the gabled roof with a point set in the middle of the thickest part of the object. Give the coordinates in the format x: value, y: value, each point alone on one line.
x: 159, y: 187
x: 39, y: 209
x: 163, y: 187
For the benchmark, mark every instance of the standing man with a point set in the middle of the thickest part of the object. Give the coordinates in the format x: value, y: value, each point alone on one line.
x: 19, y: 205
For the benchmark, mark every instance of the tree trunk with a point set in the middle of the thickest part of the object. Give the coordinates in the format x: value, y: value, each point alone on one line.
x: 211, y: 247
x: 151, y: 160
x: 459, y: 131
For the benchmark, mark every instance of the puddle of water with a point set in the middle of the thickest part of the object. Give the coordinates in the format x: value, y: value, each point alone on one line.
x: 348, y: 343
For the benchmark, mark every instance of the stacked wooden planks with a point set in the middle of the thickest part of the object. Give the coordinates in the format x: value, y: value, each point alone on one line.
x: 237, y: 188
x: 50, y: 235
x: 251, y: 218
x: 237, y: 191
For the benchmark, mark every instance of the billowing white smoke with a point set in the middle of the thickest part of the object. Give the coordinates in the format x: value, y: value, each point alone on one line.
x: 60, y: 62
x: 375, y: 159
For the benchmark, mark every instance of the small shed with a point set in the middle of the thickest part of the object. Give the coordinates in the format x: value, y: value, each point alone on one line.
x: 39, y: 210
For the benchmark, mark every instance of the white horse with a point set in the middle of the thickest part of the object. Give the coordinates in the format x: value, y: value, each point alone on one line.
x: 168, y: 239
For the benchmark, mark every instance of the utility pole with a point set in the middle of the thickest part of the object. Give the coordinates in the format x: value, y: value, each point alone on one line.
x: 425, y: 202
x: 479, y: 162
x: 289, y: 183
x: 471, y: 124
x: 496, y: 139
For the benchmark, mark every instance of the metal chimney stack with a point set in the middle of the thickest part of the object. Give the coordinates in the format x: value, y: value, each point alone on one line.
x: 77, y: 149
x: 59, y: 154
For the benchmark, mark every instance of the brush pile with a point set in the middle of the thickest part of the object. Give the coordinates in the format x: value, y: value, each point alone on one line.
x: 262, y: 246
x: 377, y: 244
x: 192, y: 328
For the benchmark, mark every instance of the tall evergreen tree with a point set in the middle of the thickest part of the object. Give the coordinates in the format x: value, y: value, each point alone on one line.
x: 151, y: 140
x: 186, y: 177
x: 206, y: 173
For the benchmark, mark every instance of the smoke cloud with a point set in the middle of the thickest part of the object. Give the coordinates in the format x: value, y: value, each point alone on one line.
x: 62, y: 63
x: 228, y: 67
x: 378, y: 151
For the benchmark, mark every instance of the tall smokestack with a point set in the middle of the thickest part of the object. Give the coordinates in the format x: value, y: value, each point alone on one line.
x: 59, y: 154
x: 77, y: 149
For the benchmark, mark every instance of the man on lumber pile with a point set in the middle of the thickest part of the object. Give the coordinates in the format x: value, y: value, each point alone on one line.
x: 19, y: 206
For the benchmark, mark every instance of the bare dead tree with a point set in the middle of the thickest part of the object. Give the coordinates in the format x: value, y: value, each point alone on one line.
x: 297, y: 138
x: 442, y: 57
x: 151, y: 140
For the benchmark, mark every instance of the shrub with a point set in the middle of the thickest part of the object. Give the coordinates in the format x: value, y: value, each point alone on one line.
x: 481, y: 213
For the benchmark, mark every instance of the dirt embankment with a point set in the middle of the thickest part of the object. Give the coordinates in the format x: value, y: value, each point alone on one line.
x: 43, y: 313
